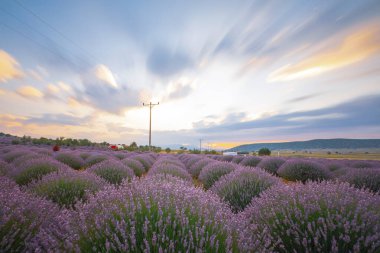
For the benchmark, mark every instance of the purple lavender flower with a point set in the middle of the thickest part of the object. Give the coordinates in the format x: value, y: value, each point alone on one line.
x: 4, y: 168
x: 70, y: 159
x: 12, y: 155
x: 146, y: 159
x: 315, y: 217
x: 135, y: 165
x: 368, y: 178
x: 112, y: 170
x: 153, y: 214
x: 67, y: 187
x: 251, y: 161
x: 271, y: 164
x: 197, y: 167
x: 34, y: 169
x: 95, y: 158
x: 190, y: 159
x: 169, y: 166
x: 237, y: 159
x: 303, y: 170
x: 241, y: 185
x: 21, y: 217
x: 212, y: 172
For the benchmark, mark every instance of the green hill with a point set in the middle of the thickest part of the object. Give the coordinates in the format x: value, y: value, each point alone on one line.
x: 312, y: 144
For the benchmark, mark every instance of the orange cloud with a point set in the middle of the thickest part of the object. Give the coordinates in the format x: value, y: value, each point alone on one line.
x: 8, y: 67
x: 10, y: 120
x: 29, y: 92
x: 354, y: 48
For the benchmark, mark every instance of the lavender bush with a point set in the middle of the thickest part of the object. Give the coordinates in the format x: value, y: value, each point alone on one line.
x: 237, y: 159
x: 4, y: 168
x: 241, y: 185
x: 197, y: 167
x: 94, y: 159
x: 70, y: 159
x: 251, y: 161
x: 145, y: 159
x: 85, y: 155
x: 120, y: 155
x: 24, y: 158
x: 34, y: 169
x: 167, y: 167
x: 135, y: 165
x: 271, y: 164
x: 368, y: 178
x: 112, y: 170
x: 148, y: 215
x: 361, y: 164
x: 12, y: 155
x: 21, y: 216
x: 68, y: 187
x: 303, y: 170
x: 226, y: 158
x: 315, y: 217
x: 212, y: 172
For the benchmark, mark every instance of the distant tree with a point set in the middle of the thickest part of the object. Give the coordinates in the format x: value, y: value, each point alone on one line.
x: 195, y: 151
x: 168, y: 150
x: 15, y: 141
x: 264, y: 151
x: 157, y: 149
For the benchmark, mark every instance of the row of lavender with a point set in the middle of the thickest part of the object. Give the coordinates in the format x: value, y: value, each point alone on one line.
x: 360, y: 173
x: 105, y: 207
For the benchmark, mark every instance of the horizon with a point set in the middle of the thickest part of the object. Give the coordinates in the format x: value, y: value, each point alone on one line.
x: 225, y: 72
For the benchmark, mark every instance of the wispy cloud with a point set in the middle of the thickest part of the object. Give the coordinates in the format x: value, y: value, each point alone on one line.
x: 29, y: 92
x: 360, y: 112
x: 354, y: 48
x: 102, y: 92
x: 103, y: 73
x: 9, y: 67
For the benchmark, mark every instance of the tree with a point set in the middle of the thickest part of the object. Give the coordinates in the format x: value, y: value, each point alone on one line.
x: 168, y: 150
x: 264, y: 151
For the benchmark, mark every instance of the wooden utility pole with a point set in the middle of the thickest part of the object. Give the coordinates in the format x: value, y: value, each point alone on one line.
x: 150, y: 121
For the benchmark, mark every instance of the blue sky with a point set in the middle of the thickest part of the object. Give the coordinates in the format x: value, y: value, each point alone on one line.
x: 228, y: 72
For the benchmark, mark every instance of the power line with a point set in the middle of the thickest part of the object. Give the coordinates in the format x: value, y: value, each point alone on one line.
x: 54, y: 29
x: 47, y: 38
x: 33, y: 40
x: 150, y: 121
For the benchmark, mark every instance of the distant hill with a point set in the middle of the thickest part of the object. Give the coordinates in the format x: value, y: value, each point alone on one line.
x: 312, y: 144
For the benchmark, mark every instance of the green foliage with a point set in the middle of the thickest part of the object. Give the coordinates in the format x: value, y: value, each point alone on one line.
x: 264, y: 151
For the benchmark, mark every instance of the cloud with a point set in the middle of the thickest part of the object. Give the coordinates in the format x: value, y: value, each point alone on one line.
x: 29, y: 92
x: 354, y: 48
x: 10, y: 120
x: 100, y: 93
x: 60, y: 119
x: 103, y: 73
x: 360, y: 112
x: 164, y: 63
x: 181, y: 88
x: 8, y: 67
x: 303, y: 98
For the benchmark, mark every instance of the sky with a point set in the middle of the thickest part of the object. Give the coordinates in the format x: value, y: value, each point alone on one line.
x: 226, y: 72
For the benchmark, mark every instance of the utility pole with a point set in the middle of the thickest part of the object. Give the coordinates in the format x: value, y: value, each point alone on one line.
x: 200, y: 145
x: 150, y: 121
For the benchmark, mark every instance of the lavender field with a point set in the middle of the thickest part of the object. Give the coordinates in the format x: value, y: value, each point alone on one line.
x: 93, y: 200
